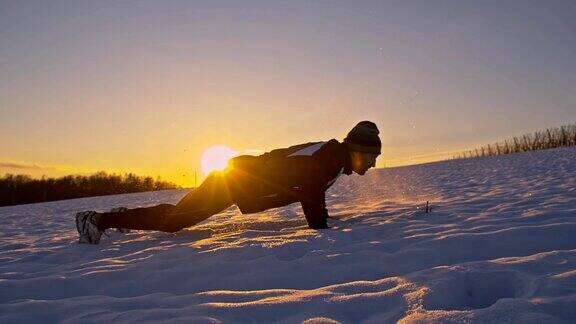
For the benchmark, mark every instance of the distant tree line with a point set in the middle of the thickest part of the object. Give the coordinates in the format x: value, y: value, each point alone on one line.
x: 550, y: 138
x: 23, y: 189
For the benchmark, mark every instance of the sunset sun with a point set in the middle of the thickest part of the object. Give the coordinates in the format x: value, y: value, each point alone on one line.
x: 215, y: 158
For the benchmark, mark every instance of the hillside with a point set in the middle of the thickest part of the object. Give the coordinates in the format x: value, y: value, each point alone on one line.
x: 499, y: 246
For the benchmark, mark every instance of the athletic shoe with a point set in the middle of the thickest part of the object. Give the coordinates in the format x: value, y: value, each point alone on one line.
x: 86, y: 224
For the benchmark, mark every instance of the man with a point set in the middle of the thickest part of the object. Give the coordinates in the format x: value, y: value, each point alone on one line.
x: 300, y: 173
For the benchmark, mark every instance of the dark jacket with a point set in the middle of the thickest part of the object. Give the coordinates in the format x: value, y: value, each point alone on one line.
x: 300, y: 173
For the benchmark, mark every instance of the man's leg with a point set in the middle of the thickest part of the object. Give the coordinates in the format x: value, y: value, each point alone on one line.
x: 147, y: 218
x: 210, y: 198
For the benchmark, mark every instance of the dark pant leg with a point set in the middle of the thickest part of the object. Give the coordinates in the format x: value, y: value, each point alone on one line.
x: 147, y: 218
x: 199, y: 204
x: 212, y: 197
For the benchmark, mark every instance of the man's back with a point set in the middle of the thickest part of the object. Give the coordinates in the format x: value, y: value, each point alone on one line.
x: 295, y: 165
x: 301, y: 172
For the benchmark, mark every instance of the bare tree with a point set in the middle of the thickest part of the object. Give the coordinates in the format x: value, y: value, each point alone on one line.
x: 550, y: 138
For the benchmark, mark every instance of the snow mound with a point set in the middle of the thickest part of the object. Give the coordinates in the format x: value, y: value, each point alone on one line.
x: 499, y: 246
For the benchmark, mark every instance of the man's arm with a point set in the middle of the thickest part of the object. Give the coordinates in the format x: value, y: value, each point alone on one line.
x: 315, y: 213
x: 313, y: 201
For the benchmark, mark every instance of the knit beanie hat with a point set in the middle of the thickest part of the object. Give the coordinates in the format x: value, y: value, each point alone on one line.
x: 364, y: 138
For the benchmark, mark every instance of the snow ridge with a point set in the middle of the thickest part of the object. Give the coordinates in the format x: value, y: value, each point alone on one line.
x: 499, y: 246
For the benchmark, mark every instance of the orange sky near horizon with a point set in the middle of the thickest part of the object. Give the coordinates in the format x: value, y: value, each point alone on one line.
x: 147, y: 86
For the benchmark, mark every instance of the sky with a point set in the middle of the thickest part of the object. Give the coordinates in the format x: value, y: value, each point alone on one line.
x: 147, y: 86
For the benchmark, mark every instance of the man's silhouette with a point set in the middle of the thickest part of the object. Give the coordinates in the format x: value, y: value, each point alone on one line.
x: 300, y: 173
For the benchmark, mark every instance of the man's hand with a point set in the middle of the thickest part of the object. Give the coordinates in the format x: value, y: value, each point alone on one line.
x: 321, y: 226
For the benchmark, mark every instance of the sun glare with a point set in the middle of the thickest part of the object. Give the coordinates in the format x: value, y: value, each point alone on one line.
x: 215, y: 158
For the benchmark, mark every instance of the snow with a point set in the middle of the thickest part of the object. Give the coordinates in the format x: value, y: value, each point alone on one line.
x: 499, y: 246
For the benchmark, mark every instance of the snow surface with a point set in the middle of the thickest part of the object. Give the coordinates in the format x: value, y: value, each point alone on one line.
x: 499, y: 246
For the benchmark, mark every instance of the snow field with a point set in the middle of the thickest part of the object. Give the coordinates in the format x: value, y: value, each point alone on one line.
x: 499, y: 246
